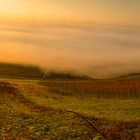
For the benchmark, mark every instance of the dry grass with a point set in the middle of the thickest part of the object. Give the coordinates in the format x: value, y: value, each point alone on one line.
x: 121, y: 89
x: 28, y: 110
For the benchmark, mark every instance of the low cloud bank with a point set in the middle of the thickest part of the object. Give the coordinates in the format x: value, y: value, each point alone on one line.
x: 98, y: 51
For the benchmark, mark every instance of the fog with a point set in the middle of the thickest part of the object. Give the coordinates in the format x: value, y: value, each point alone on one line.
x: 97, y: 51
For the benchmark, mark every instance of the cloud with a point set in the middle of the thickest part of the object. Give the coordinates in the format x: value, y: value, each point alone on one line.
x: 98, y: 51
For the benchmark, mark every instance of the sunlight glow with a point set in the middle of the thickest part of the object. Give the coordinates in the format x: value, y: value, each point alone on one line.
x: 90, y: 11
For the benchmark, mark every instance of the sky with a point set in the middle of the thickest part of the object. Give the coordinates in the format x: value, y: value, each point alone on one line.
x: 99, y: 38
x: 118, y: 12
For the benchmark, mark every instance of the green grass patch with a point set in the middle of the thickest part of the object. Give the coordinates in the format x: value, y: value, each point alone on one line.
x: 30, y: 111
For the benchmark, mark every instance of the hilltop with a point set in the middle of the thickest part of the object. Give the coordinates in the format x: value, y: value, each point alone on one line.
x: 135, y: 75
x: 17, y: 71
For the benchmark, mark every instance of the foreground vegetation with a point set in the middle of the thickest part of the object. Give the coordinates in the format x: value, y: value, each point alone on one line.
x: 32, y: 110
x: 65, y: 106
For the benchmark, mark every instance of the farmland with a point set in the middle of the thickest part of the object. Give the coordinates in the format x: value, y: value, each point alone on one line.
x: 98, y: 88
x: 33, y: 110
x: 54, y: 108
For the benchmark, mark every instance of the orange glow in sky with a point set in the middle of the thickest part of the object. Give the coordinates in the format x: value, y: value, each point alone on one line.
x: 94, y: 37
x: 90, y: 11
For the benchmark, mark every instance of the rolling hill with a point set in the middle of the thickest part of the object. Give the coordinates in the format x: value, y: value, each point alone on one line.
x: 17, y: 71
x: 135, y: 75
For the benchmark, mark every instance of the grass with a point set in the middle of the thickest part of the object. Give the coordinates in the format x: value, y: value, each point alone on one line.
x: 22, y: 118
x: 48, y: 109
x: 32, y: 110
x: 108, y: 89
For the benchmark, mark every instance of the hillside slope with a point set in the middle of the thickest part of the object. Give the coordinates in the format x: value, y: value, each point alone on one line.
x: 135, y: 75
x: 32, y: 72
x: 19, y: 71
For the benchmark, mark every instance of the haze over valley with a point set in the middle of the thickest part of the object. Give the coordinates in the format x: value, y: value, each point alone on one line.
x: 97, y: 50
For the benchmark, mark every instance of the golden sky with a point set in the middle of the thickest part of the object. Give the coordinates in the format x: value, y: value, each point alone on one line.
x: 119, y: 12
x: 102, y: 50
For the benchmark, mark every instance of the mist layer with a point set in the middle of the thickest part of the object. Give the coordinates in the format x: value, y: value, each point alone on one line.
x: 97, y: 51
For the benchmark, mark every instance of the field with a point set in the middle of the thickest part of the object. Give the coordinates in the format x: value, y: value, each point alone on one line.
x: 33, y: 110
x: 47, y: 110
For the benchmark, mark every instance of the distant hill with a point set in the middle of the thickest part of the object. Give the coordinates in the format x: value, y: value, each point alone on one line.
x: 19, y: 71
x: 64, y: 76
x: 131, y: 76
x: 31, y: 72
